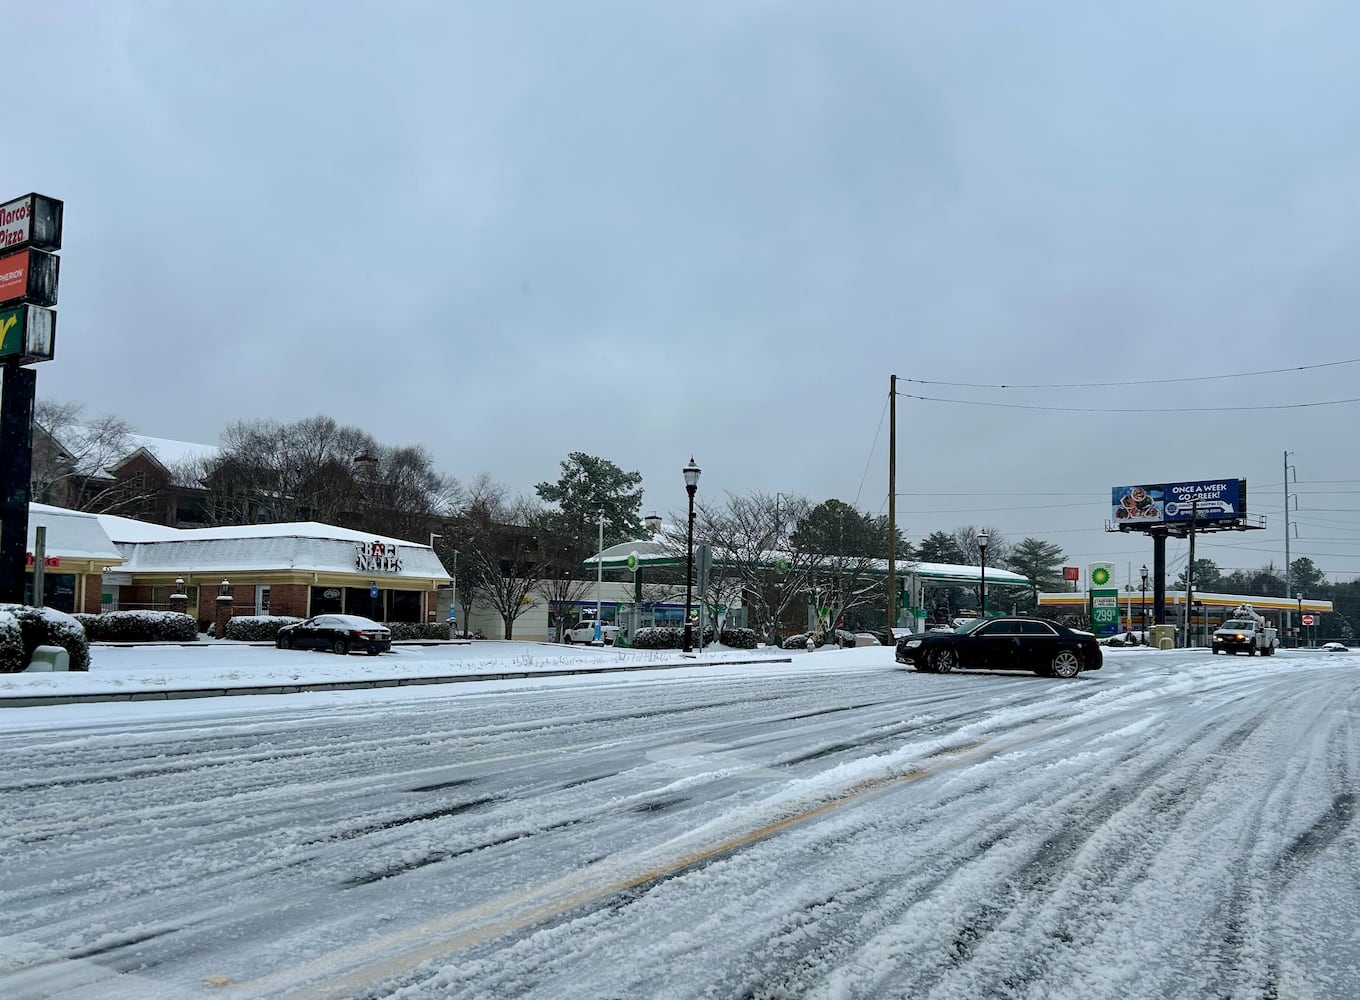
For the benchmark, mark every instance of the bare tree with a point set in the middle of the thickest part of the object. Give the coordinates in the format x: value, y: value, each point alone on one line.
x: 749, y: 534
x: 75, y: 458
x: 500, y: 541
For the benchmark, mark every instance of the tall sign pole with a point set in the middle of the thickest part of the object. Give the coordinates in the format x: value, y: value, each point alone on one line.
x: 30, y: 232
x: 892, y: 502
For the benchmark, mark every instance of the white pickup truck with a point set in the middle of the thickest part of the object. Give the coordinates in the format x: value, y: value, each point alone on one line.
x: 584, y: 631
x: 1246, y: 632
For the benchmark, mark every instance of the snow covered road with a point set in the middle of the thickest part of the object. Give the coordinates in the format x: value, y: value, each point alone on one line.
x: 1175, y: 825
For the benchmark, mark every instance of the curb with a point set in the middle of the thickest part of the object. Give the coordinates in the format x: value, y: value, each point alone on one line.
x: 40, y: 701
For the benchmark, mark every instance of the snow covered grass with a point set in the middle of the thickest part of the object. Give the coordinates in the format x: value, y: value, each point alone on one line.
x: 217, y: 665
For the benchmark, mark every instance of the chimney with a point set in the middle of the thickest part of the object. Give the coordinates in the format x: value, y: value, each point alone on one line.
x: 365, y: 466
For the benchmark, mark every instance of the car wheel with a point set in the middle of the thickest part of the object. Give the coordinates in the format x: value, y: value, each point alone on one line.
x: 1066, y: 664
x: 568, y: 640
x: 943, y: 661
x: 1252, y: 651
x: 923, y: 667
x: 280, y: 642
x: 373, y: 652
x: 341, y: 647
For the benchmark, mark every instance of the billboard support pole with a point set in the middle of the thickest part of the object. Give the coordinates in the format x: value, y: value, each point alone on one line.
x: 16, y: 466
x: 1190, y: 578
x: 1158, y: 577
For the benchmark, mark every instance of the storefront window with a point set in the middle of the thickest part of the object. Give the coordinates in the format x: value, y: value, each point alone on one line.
x: 327, y: 600
x: 59, y: 591
x: 403, y: 606
x: 358, y: 602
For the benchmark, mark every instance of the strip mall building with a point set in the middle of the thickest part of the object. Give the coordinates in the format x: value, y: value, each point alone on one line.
x: 95, y: 562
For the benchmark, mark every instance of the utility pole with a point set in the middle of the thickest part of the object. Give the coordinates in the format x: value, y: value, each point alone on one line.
x: 891, y: 604
x: 1288, y: 625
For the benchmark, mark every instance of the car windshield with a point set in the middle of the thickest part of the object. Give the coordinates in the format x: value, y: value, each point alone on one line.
x: 1238, y: 624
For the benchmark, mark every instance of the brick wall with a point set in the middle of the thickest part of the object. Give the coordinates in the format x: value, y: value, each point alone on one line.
x: 94, y: 592
x: 288, y: 599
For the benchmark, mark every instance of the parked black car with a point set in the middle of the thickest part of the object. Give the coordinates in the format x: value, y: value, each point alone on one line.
x: 1047, y: 648
x: 338, y: 633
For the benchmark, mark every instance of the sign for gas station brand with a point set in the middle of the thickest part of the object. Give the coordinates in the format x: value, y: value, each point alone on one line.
x: 29, y: 276
x: 27, y: 333
x: 31, y: 221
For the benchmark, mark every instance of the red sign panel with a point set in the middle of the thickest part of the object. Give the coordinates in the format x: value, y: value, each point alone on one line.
x: 48, y: 561
x: 1307, y: 619
x: 30, y: 276
x: 1071, y: 573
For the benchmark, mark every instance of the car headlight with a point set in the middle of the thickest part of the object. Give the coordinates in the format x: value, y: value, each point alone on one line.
x: 913, y: 643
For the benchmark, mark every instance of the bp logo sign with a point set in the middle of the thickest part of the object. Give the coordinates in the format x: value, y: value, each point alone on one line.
x: 632, y: 561
x: 1100, y: 576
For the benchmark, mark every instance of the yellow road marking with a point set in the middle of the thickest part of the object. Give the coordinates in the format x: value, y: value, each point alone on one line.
x: 387, y: 957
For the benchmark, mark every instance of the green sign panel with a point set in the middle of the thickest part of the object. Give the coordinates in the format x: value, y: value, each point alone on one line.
x: 1105, y: 611
x: 27, y: 333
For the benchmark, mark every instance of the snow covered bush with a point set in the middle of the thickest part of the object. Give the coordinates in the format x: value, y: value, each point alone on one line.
x: 49, y: 627
x: 738, y: 638
x: 418, y: 630
x: 12, y: 659
x: 258, y: 628
x: 657, y: 638
x: 139, y: 626
x: 668, y: 637
x: 840, y: 637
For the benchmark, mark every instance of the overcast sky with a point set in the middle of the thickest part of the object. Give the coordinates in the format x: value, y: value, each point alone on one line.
x: 511, y: 230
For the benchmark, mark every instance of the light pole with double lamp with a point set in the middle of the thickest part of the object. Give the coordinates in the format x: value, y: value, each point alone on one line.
x: 1144, y: 605
x: 982, y: 557
x: 691, y: 472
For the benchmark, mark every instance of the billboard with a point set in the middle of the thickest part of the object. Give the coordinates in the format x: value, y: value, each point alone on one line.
x: 29, y: 276
x: 31, y: 221
x: 1159, y: 503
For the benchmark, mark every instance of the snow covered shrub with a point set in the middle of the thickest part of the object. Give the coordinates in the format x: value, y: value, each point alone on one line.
x: 49, y: 627
x: 840, y: 637
x: 12, y: 659
x: 738, y: 638
x: 139, y: 626
x: 257, y: 628
x: 669, y: 637
x: 419, y: 630
x: 658, y: 638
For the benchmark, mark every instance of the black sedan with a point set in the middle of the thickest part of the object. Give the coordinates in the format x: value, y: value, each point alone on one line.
x: 338, y: 633
x: 1047, y: 648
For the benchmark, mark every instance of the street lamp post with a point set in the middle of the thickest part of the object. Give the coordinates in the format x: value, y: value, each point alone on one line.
x: 599, y: 584
x: 1144, y: 605
x: 1298, y: 636
x: 982, y: 558
x: 691, y: 473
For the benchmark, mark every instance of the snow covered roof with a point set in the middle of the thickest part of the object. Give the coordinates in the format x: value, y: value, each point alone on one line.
x: 71, y: 534
x: 170, y: 453
x: 128, y: 529
x: 175, y: 456
x: 197, y: 551
x: 656, y: 552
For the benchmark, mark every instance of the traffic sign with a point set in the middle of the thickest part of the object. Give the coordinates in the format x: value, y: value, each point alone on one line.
x: 1307, y: 619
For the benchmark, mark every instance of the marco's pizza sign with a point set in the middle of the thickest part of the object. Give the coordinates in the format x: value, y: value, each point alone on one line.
x: 376, y: 557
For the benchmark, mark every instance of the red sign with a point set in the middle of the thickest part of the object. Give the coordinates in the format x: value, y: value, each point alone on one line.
x: 48, y: 561
x: 29, y: 275
x: 1071, y: 573
x: 1307, y: 619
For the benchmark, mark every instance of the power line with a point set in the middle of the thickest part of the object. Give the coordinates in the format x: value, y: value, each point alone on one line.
x: 1133, y: 409
x: 872, y: 448
x: 1149, y: 381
